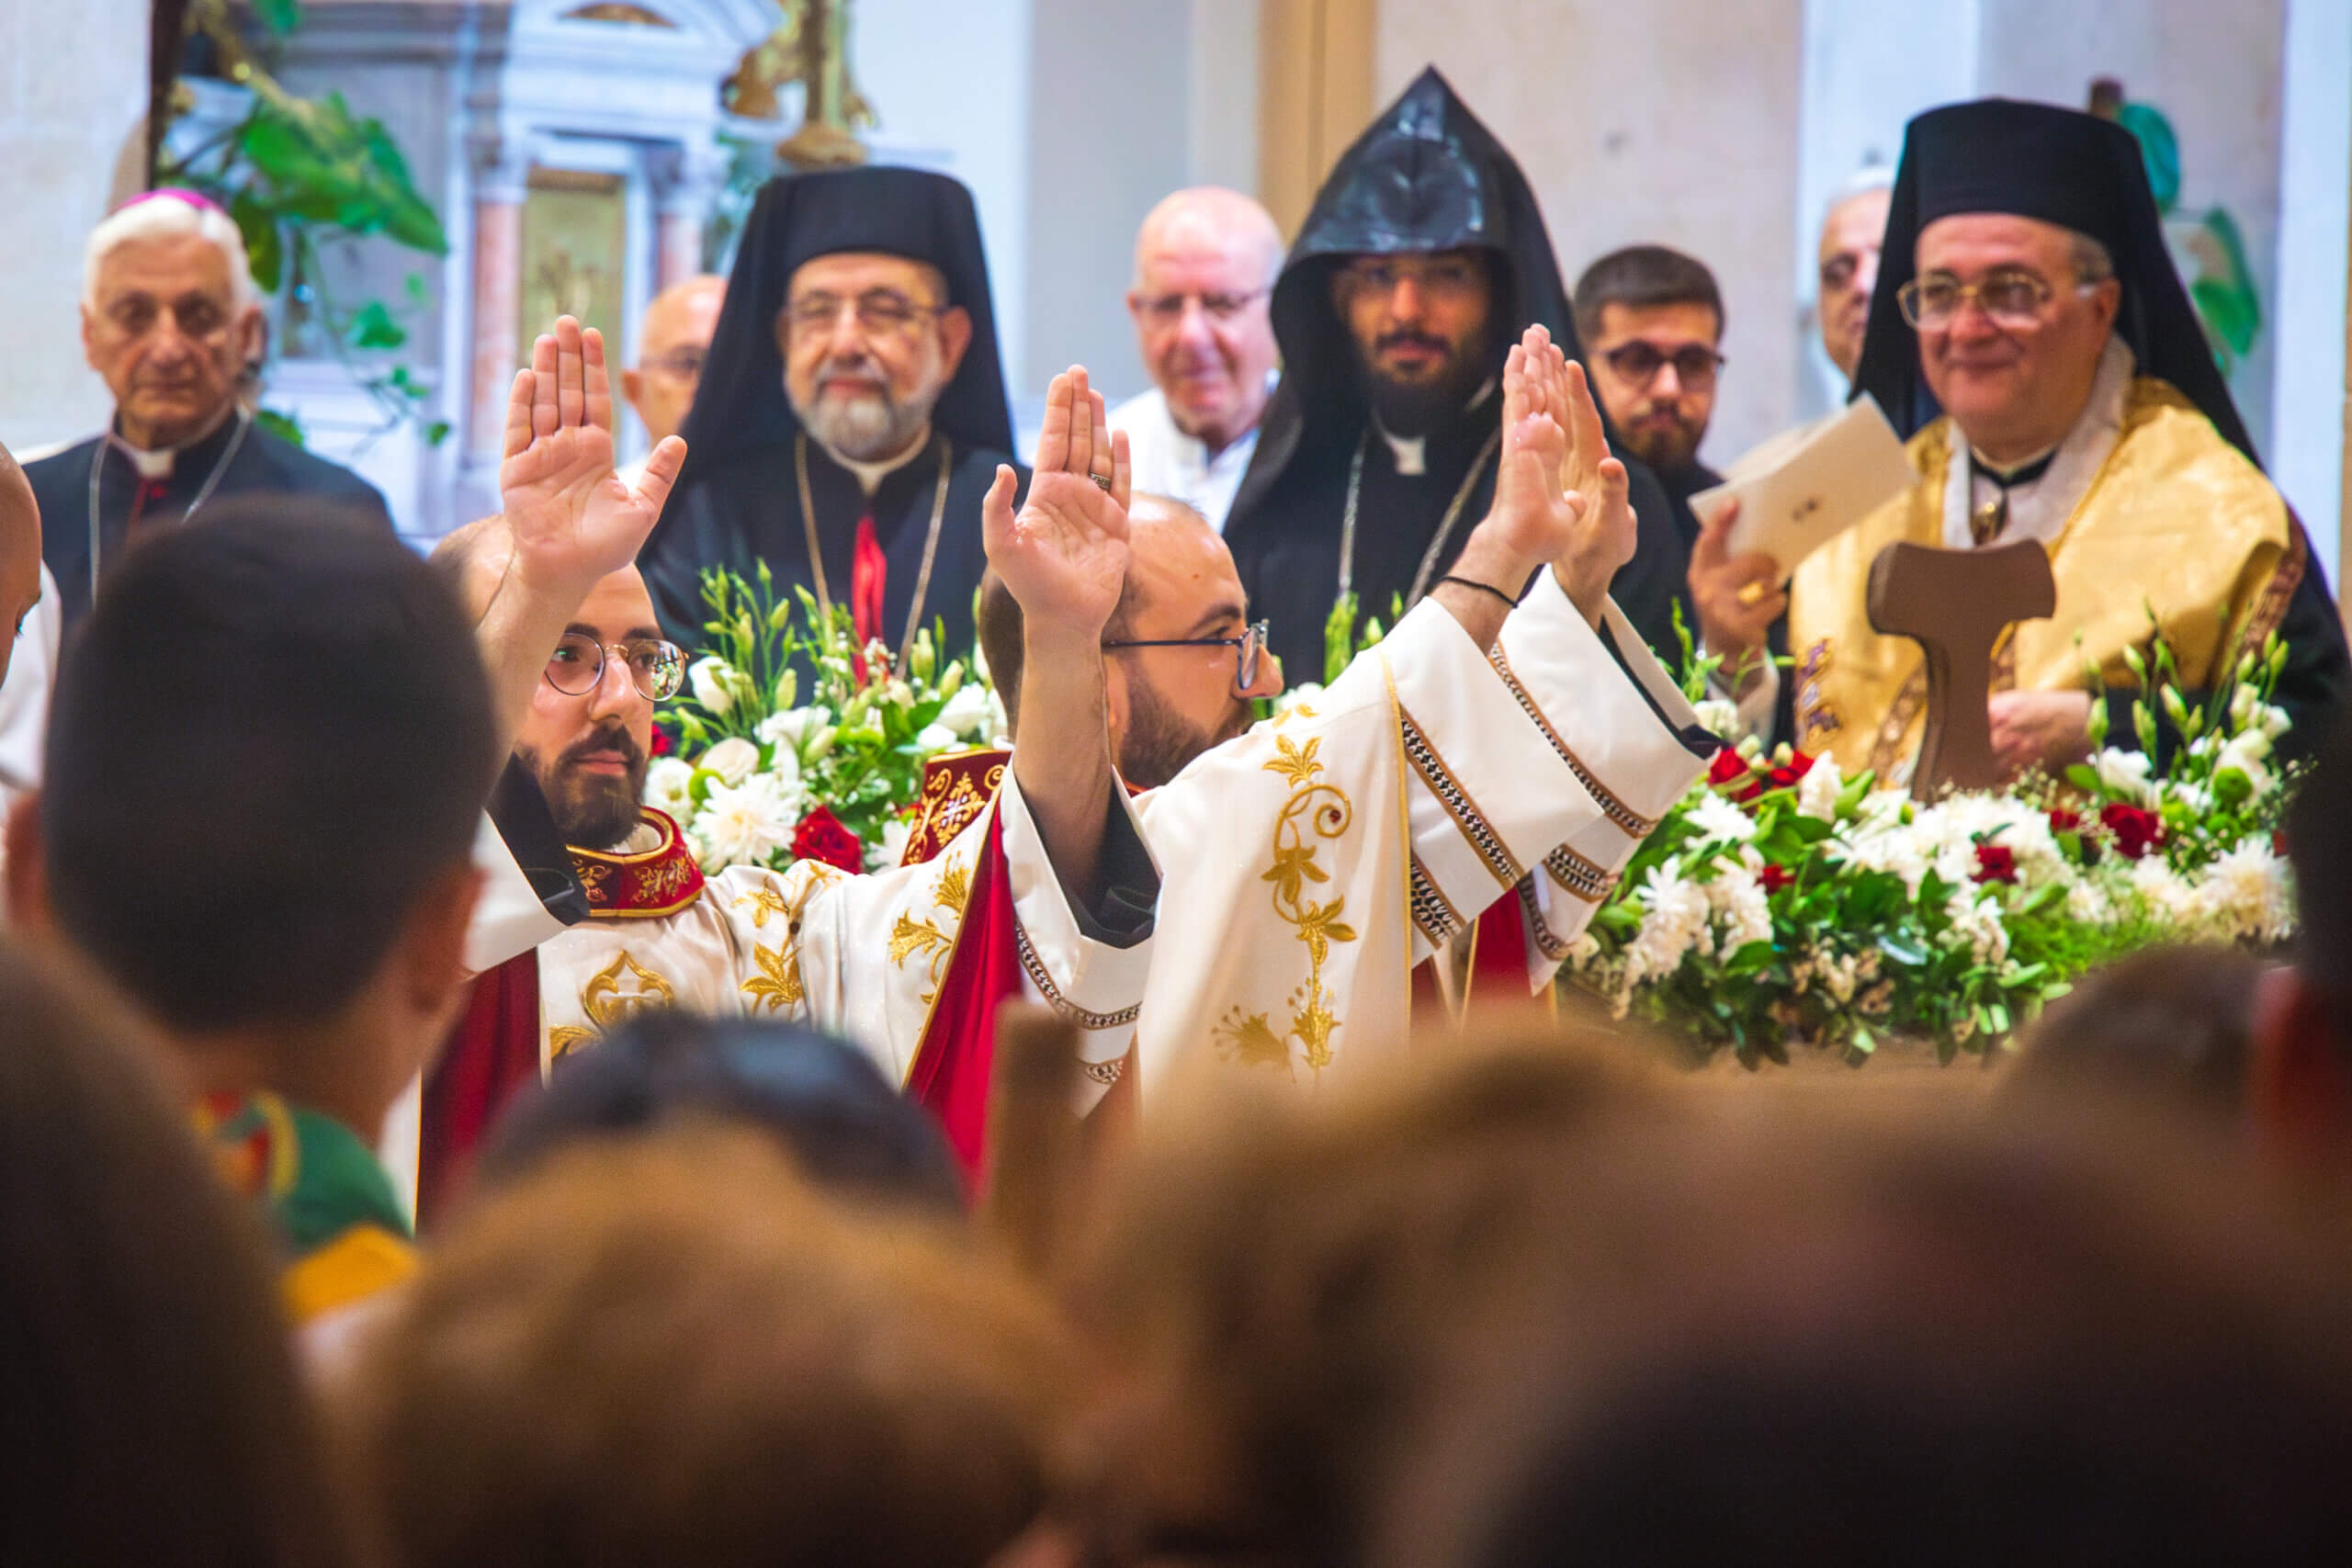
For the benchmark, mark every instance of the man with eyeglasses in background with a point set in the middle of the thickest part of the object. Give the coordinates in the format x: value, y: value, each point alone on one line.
x: 672, y: 344
x: 1423, y: 257
x: 1205, y: 261
x: 852, y: 411
x: 2031, y: 335
x: 1652, y: 320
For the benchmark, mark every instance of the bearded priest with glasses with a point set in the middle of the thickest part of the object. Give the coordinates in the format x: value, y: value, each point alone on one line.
x: 2030, y: 336
x: 813, y: 943
x: 851, y: 412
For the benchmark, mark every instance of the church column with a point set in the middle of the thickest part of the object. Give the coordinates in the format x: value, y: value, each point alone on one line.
x: 502, y: 179
x: 686, y: 183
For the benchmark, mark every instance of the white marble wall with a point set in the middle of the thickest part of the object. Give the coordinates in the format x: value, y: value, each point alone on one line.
x: 70, y: 96
x: 1673, y: 123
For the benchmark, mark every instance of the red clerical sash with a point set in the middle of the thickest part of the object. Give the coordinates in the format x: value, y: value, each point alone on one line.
x: 869, y: 574
x: 494, y: 1054
x: 491, y: 1055
x: 1494, y: 987
x: 950, y: 1077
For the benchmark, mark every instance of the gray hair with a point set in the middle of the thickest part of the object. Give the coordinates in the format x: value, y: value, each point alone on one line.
x: 160, y: 214
x: 2090, y: 259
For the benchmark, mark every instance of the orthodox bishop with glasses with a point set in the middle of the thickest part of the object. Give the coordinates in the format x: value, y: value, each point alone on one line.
x: 2031, y: 335
x: 852, y: 411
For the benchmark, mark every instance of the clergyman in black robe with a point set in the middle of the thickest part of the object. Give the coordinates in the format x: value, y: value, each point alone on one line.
x: 1422, y: 260
x: 852, y: 411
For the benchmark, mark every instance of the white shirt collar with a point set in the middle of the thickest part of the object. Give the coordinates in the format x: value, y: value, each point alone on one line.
x: 1412, y: 452
x: 871, y: 475
x: 158, y: 463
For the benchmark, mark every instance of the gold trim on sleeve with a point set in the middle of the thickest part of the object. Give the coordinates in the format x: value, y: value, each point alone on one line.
x: 1034, y: 967
x: 1439, y: 921
x: 1476, y: 829
x: 1629, y: 821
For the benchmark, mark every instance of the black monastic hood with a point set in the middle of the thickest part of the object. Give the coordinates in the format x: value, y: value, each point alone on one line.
x: 1426, y: 176
x: 2062, y: 166
x: 741, y: 404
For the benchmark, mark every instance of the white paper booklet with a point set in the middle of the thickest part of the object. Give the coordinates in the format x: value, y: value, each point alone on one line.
x: 1805, y: 487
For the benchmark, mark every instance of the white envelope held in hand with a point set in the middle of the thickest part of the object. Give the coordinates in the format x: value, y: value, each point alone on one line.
x: 1803, y: 487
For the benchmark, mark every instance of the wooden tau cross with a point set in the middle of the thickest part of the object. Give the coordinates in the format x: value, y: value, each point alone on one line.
x: 1956, y: 604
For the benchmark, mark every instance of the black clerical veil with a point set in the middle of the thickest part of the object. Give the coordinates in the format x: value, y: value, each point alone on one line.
x: 2060, y: 166
x: 1426, y: 176
x: 741, y: 405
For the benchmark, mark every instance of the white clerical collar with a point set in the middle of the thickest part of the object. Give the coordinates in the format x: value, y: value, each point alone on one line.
x: 158, y: 463
x: 1412, y: 452
x: 871, y: 475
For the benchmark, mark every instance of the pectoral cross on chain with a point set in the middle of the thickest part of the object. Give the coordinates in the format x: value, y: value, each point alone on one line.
x: 1956, y: 604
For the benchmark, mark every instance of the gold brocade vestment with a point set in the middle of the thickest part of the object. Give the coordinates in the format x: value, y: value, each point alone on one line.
x: 2176, y: 522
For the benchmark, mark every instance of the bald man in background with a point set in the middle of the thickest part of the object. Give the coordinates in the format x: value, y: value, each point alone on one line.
x: 671, y: 347
x: 29, y: 657
x: 1205, y: 261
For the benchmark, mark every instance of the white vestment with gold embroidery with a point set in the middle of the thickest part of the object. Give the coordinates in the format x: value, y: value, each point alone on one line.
x: 860, y: 956
x: 1307, y: 865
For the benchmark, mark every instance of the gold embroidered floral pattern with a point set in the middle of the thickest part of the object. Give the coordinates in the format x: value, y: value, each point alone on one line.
x: 929, y: 940
x: 777, y: 985
x: 1315, y: 811
x: 614, y: 995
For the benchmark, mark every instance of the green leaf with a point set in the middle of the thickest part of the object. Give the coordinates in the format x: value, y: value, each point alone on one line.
x: 264, y: 246
x: 373, y: 326
x: 280, y: 17
x: 281, y: 426
x: 2159, y: 148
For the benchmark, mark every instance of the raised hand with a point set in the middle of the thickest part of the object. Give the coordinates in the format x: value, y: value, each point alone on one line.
x: 1559, y: 496
x: 572, y: 517
x: 1065, y: 556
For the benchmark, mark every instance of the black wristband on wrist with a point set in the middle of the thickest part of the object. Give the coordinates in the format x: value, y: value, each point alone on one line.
x: 1481, y: 587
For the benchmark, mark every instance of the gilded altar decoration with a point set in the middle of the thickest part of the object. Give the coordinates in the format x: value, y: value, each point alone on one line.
x: 615, y: 993
x: 1315, y: 811
x: 809, y: 51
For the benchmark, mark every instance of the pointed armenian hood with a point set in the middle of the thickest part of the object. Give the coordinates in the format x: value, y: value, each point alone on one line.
x: 2060, y: 166
x: 739, y: 405
x: 1426, y: 176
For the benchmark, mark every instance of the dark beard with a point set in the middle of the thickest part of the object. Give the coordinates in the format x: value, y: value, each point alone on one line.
x: 592, y: 811
x: 1160, y: 743
x: 1418, y: 408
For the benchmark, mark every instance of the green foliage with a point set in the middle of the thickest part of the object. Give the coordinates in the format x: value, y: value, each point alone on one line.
x: 857, y: 746
x: 2159, y: 148
x: 299, y: 175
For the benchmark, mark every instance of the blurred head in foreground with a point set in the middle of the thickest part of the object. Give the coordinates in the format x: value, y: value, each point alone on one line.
x: 149, y: 1404
x: 2046, y: 1337
x: 2169, y: 1021
x: 846, y: 1127
x: 1279, y: 1287
x: 2299, y: 1086
x: 675, y: 1351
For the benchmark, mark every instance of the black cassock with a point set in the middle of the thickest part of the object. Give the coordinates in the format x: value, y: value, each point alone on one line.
x: 738, y: 502
x: 1426, y: 176
x: 747, y: 510
x: 237, y: 459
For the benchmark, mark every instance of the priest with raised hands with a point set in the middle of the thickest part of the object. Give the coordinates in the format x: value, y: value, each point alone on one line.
x: 851, y: 413
x: 1056, y: 859
x: 2031, y: 335
x: 1492, y: 753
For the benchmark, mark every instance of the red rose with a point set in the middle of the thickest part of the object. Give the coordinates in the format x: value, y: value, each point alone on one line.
x: 2135, y: 830
x: 821, y: 837
x: 2278, y: 843
x: 2064, y: 821
x: 1995, y: 862
x: 1774, y: 877
x: 663, y: 745
x: 1787, y: 776
x: 1727, y: 766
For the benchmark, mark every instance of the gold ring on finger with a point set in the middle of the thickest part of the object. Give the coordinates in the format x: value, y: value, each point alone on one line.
x: 1751, y: 593
x: 1102, y: 480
